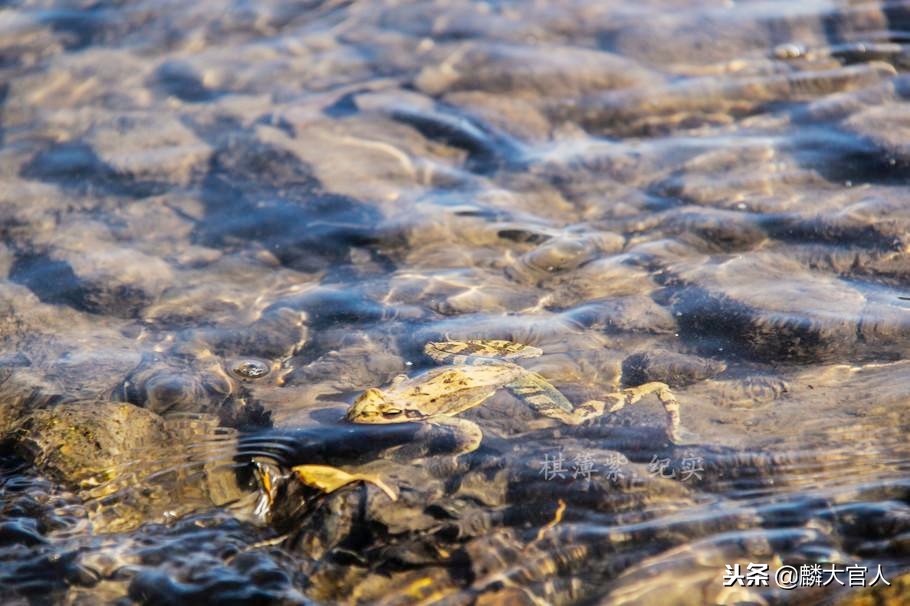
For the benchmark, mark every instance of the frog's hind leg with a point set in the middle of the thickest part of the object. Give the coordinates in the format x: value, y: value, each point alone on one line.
x: 538, y: 393
x: 478, y: 351
x: 621, y: 399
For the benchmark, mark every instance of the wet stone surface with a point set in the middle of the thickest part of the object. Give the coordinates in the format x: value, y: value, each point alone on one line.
x: 223, y: 223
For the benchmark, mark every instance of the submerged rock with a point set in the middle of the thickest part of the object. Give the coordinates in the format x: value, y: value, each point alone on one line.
x: 768, y: 308
x: 130, y: 465
x: 530, y: 71
x: 85, y: 441
x: 674, y: 369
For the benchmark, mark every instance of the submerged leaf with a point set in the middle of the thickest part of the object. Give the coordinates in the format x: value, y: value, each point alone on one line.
x: 330, y: 479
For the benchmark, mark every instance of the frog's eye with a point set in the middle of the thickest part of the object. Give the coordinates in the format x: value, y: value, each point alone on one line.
x: 392, y: 412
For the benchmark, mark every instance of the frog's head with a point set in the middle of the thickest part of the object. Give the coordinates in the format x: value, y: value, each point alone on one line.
x: 373, y: 406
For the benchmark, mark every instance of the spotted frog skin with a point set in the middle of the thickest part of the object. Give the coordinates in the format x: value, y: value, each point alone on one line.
x: 476, y: 370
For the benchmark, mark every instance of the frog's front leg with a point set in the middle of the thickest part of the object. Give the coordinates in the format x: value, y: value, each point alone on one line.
x: 467, y: 434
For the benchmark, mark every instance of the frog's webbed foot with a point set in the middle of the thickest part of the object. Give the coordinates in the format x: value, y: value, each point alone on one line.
x: 621, y: 399
x: 329, y: 479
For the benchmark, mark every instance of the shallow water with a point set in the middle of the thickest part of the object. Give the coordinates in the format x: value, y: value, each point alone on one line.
x: 223, y: 222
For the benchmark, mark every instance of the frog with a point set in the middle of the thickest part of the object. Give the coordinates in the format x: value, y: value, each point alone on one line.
x: 473, y: 371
